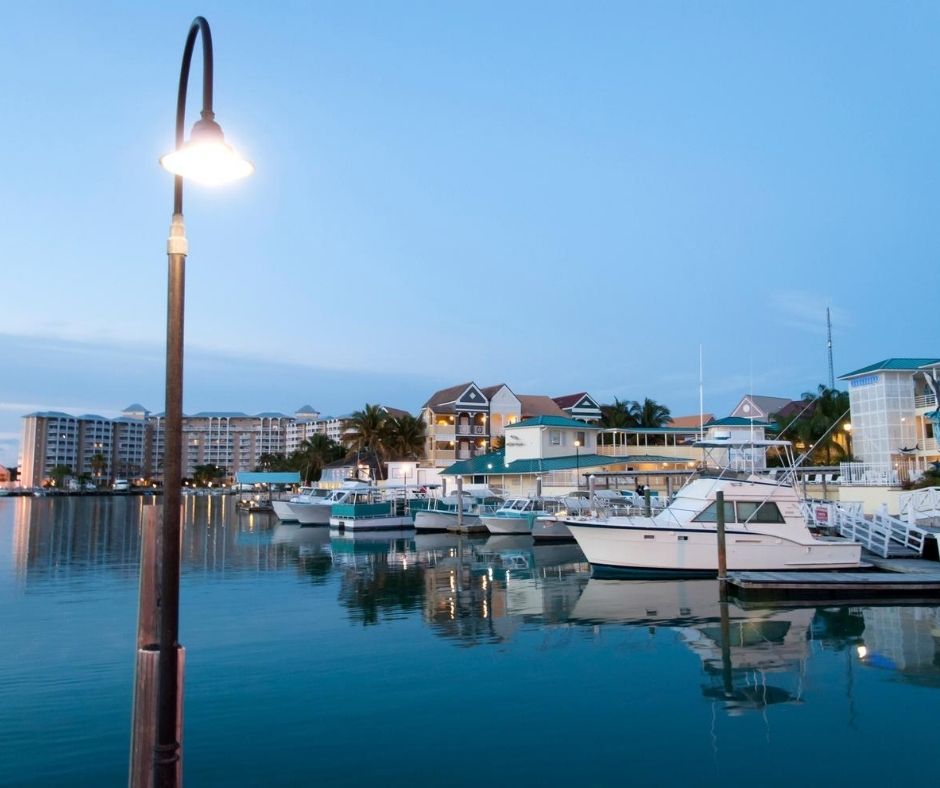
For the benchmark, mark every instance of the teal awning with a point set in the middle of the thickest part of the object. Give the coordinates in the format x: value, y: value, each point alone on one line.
x: 280, y: 477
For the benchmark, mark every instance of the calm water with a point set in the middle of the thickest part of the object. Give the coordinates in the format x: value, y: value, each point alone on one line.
x: 440, y: 661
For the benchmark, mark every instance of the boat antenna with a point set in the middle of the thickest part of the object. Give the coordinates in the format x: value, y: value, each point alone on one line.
x: 832, y: 376
x: 701, y: 396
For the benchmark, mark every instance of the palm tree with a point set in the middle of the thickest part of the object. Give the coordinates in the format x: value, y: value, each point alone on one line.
x: 618, y: 414
x: 59, y: 472
x: 98, y: 464
x: 403, y: 437
x: 818, y: 427
x: 315, y: 452
x: 650, y: 413
x: 365, y: 428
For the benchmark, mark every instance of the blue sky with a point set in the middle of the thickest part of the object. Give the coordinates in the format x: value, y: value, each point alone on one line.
x: 557, y: 196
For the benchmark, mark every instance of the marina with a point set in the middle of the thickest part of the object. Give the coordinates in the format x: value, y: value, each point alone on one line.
x: 297, y: 635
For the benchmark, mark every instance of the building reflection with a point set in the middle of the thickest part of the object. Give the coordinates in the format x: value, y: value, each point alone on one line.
x: 62, y: 538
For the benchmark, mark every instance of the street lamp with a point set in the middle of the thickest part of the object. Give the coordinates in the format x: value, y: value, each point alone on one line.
x: 577, y: 461
x: 206, y: 158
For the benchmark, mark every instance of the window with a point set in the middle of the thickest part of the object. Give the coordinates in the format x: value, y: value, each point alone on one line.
x: 554, y: 437
x: 579, y: 437
x: 710, y: 513
x: 759, y: 513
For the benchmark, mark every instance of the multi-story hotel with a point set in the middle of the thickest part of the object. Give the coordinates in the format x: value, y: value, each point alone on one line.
x: 132, y: 445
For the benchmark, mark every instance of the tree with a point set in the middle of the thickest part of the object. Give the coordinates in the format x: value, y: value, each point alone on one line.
x: 650, y: 413
x: 274, y: 462
x: 618, y: 415
x: 403, y: 437
x: 312, y: 454
x: 816, y: 425
x: 59, y: 472
x: 365, y: 429
x: 204, y: 474
x: 98, y: 464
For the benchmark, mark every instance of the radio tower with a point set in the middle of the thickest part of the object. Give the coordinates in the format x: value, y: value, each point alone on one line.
x: 832, y: 377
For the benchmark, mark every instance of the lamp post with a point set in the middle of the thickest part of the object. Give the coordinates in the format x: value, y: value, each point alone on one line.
x: 206, y: 158
x: 577, y: 461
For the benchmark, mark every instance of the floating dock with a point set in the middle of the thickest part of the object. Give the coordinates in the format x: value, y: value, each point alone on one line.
x: 853, y: 586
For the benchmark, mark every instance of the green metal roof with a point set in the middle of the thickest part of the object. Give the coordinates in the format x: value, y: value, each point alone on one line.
x: 552, y: 421
x: 494, y: 464
x: 653, y: 430
x: 737, y: 421
x: 899, y: 364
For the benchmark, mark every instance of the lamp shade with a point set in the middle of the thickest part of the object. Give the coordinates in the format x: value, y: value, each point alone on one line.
x: 207, y: 158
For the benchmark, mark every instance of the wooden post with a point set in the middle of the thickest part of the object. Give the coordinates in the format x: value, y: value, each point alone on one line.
x: 538, y: 486
x: 648, y: 502
x: 722, y: 555
x: 592, y: 483
x: 460, y: 503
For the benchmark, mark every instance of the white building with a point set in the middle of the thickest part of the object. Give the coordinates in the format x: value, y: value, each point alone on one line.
x: 894, y: 418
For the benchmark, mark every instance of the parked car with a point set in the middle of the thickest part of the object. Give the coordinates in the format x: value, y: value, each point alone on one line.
x: 121, y: 485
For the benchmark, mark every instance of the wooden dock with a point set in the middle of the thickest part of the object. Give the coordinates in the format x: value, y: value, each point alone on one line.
x: 855, y: 586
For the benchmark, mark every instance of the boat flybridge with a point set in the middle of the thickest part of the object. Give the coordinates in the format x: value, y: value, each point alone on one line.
x: 765, y: 528
x: 316, y: 509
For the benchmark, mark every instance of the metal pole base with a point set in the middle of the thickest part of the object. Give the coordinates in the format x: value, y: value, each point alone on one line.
x: 144, y: 723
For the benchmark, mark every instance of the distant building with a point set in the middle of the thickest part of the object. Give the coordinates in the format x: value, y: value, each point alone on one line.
x: 760, y: 408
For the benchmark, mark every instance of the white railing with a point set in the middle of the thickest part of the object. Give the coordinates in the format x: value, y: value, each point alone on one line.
x: 920, y: 504
x: 879, y: 534
x: 868, y: 474
x: 925, y: 401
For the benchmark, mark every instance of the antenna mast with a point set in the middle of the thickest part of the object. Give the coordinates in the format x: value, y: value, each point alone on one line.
x: 832, y: 377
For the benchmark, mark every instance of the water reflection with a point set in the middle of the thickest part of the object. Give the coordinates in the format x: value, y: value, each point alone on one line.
x: 482, y: 591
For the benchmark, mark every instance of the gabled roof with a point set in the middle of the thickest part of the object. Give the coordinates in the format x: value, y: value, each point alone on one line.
x: 765, y: 405
x: 892, y: 364
x: 690, y: 421
x: 490, y: 391
x: 553, y: 421
x: 268, y: 477
x: 569, y: 400
x: 446, y: 396
x: 539, y: 405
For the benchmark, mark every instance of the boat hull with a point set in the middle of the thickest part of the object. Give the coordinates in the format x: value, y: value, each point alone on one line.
x: 283, y: 511
x: 311, y: 513
x: 430, y: 521
x: 507, y: 525
x: 550, y: 530
x: 616, y: 549
x: 391, y: 523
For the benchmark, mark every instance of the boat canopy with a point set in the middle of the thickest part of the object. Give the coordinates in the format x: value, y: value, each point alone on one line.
x: 271, y: 477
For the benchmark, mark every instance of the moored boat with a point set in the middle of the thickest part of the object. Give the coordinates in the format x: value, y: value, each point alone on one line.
x: 765, y: 530
x: 518, y: 515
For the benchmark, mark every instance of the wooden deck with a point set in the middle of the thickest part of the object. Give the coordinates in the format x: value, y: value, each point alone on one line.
x: 859, y: 586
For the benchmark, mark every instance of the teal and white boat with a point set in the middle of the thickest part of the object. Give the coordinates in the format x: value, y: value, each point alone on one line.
x: 371, y: 510
x: 518, y: 515
x: 444, y: 514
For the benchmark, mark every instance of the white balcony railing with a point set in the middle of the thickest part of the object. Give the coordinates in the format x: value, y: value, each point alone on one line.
x: 925, y: 401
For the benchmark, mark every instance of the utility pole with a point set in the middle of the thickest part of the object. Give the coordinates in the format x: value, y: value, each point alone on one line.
x: 832, y: 377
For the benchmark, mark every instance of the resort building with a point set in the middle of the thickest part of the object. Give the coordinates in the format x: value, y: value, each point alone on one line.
x: 559, y: 454
x: 50, y: 439
x: 581, y: 407
x: 894, y: 416
x: 467, y: 420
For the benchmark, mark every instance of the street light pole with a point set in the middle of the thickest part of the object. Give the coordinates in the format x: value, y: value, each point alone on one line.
x: 206, y: 158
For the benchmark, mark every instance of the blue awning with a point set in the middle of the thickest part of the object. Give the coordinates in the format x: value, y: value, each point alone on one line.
x: 280, y: 477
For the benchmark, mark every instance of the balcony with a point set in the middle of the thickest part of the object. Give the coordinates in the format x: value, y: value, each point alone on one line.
x: 925, y: 401
x: 471, y: 429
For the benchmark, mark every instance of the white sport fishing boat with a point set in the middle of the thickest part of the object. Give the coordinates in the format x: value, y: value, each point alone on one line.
x: 518, y: 515
x: 765, y: 528
x: 316, y: 511
x: 306, y: 495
